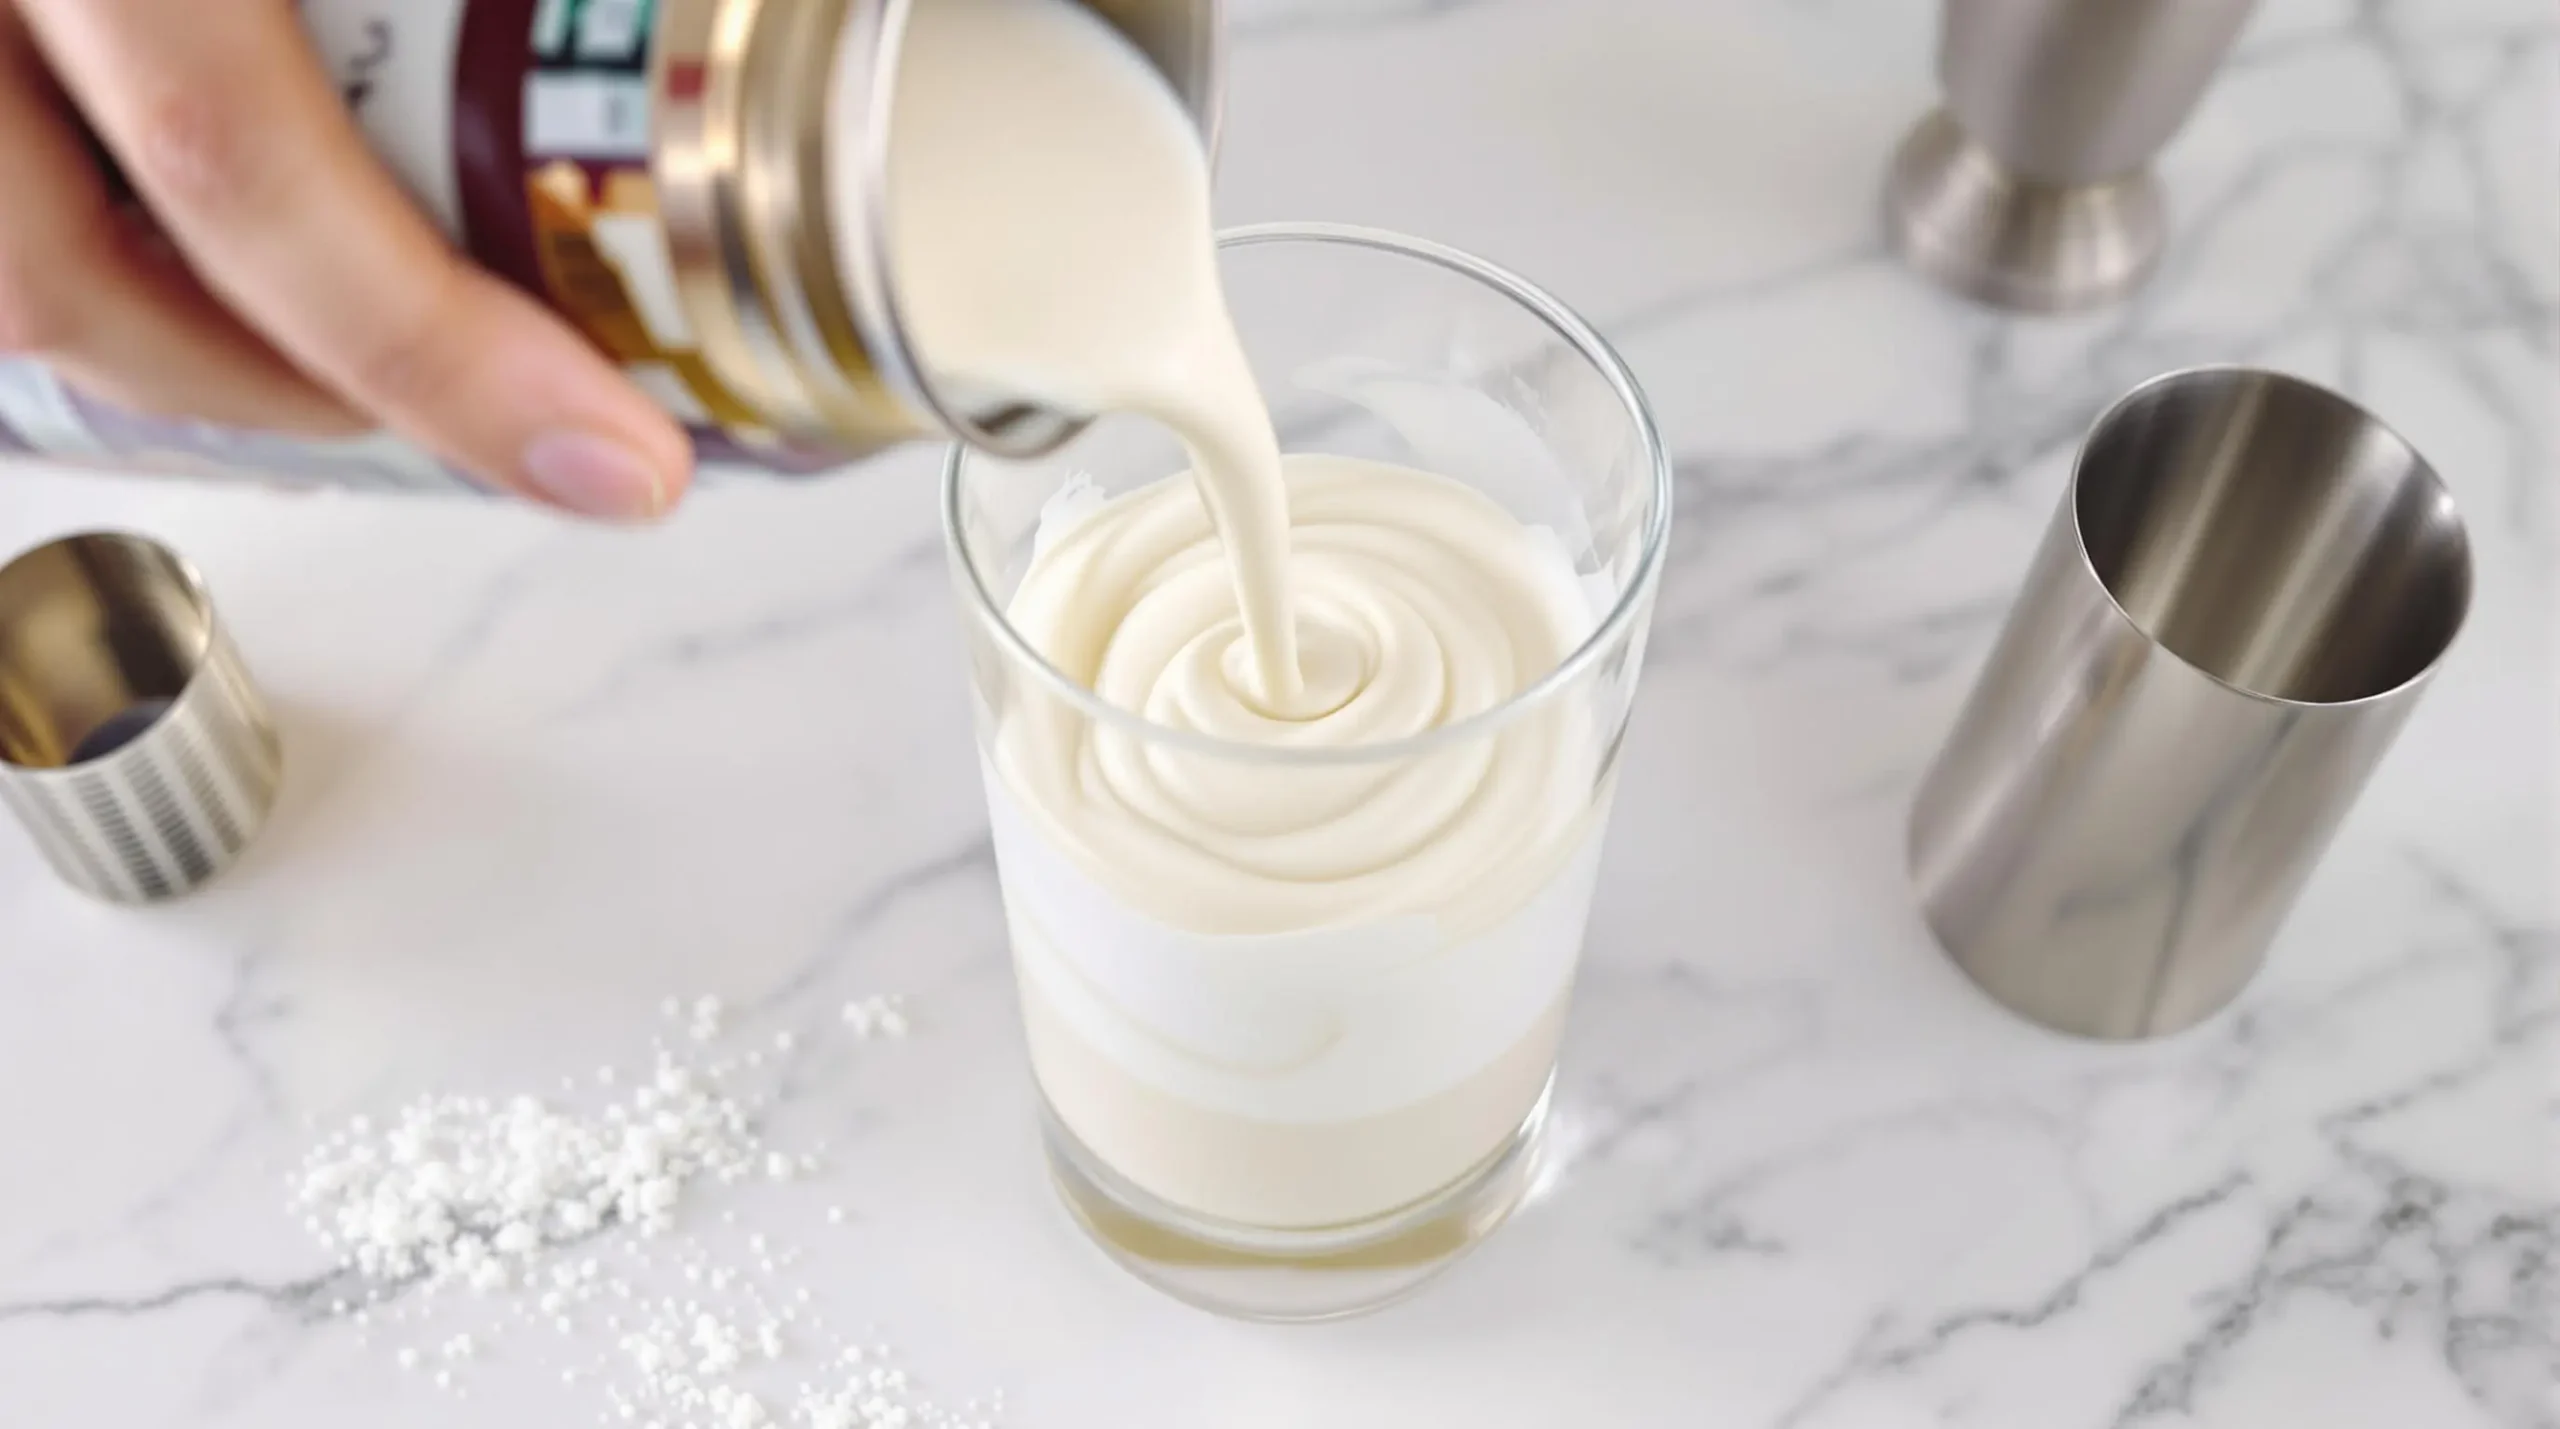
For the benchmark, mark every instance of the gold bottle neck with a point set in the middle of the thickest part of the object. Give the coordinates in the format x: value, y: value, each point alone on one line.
x: 788, y: 284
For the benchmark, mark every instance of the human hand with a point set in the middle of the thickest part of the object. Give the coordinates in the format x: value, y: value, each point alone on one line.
x: 287, y: 282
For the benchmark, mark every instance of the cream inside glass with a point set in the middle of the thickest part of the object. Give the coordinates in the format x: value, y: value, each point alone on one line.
x: 1294, y: 980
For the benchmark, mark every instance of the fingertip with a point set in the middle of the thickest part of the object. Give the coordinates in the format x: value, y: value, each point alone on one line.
x: 668, y: 448
x: 583, y: 438
x: 659, y: 447
x: 596, y: 475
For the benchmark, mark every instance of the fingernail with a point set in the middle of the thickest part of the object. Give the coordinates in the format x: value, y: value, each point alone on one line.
x: 593, y: 476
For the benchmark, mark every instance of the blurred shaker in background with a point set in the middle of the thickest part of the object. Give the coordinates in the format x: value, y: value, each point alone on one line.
x: 2031, y: 187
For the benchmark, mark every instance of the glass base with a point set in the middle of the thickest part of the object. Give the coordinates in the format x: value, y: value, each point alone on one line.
x: 1291, y: 1276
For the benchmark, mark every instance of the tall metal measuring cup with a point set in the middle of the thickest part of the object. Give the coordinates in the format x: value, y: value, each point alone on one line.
x: 2244, y: 593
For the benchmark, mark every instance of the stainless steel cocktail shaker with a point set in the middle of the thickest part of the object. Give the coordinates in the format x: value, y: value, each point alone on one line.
x: 2031, y: 187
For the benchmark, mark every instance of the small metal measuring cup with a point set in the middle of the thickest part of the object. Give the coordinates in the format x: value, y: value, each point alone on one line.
x: 2246, y: 589
x: 132, y: 744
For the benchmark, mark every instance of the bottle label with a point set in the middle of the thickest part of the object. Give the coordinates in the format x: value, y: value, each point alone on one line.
x: 552, y: 129
x: 522, y: 129
x: 43, y: 416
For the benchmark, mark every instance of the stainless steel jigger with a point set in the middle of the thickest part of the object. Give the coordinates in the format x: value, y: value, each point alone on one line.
x: 132, y: 744
x: 2031, y: 188
x: 2246, y: 589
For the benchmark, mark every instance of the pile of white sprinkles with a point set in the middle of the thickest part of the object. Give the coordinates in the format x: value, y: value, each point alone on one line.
x: 553, y: 1223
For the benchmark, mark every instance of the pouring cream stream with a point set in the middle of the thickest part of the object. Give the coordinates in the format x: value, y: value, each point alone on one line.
x: 1284, y: 994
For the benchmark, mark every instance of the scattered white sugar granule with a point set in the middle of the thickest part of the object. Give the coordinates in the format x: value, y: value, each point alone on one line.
x: 716, y: 1344
x: 706, y: 1018
x: 465, y: 1189
x: 491, y: 1197
x: 876, y: 1015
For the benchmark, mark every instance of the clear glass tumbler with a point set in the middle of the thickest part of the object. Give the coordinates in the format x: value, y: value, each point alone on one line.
x: 1312, y: 1119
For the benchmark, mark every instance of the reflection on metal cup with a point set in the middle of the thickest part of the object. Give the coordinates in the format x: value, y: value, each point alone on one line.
x: 132, y: 744
x: 2248, y: 585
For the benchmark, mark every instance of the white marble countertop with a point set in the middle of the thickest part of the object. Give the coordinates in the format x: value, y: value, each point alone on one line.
x: 543, y: 777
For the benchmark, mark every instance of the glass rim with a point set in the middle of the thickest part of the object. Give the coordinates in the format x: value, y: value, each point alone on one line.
x: 1560, y: 319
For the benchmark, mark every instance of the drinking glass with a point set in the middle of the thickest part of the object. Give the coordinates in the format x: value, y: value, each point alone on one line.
x: 1309, y: 1121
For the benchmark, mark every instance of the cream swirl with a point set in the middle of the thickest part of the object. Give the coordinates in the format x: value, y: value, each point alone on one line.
x: 1270, y: 604
x: 1418, y: 602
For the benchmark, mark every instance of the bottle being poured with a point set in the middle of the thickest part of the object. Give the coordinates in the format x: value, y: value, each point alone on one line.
x: 1051, y: 239
x: 1050, y: 215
